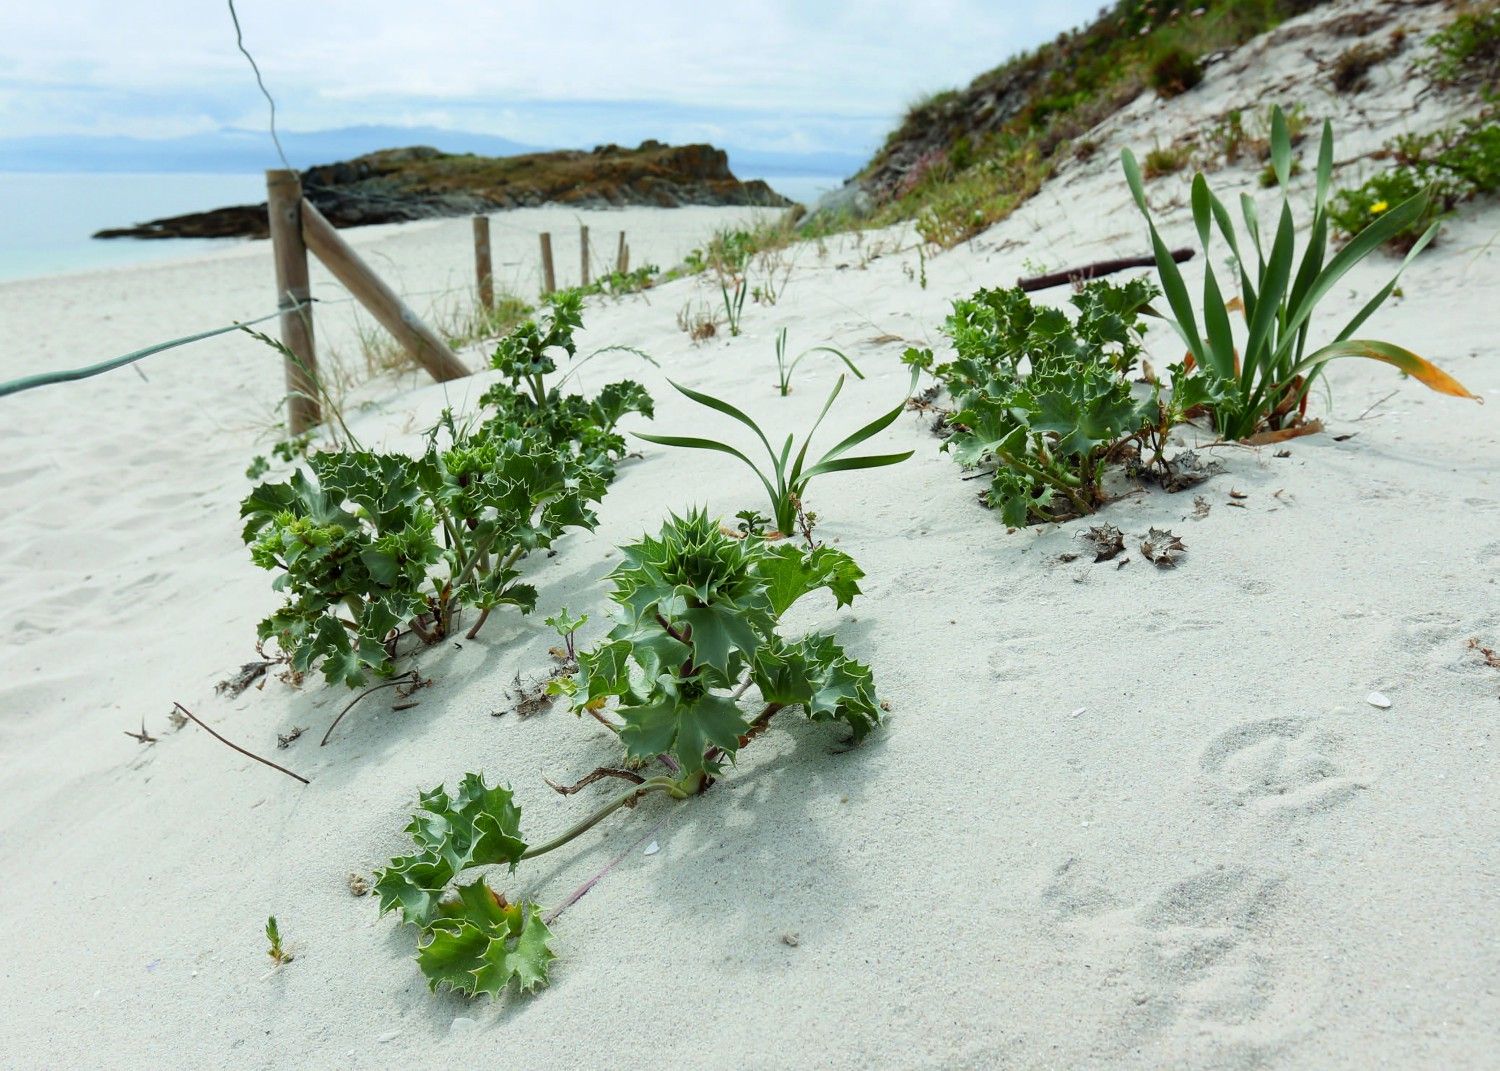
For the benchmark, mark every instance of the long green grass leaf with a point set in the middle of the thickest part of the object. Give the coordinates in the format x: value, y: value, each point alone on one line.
x: 1133, y: 180
x: 693, y: 443
x: 1176, y: 290
x: 1362, y: 245
x: 796, y: 473
x: 1281, y: 148
x: 1375, y: 302
x: 1419, y: 368
x: 1216, y: 322
x: 1202, y: 211
x: 848, y: 464
x: 1256, y: 361
x: 728, y: 410
x: 1325, y: 167
x: 825, y: 349
x: 874, y: 427
x: 1248, y: 291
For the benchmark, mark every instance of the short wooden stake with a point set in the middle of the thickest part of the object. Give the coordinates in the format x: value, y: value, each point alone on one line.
x: 583, y: 255
x: 549, y: 276
x: 384, y: 304
x: 484, y: 265
x: 622, y: 256
x: 293, y: 294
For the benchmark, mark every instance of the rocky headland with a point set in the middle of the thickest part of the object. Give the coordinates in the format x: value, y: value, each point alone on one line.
x: 397, y: 185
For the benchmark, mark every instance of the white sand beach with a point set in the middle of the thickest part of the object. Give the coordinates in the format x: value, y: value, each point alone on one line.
x: 1119, y: 816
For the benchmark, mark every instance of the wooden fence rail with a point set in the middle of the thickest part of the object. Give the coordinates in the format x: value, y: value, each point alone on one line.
x: 284, y: 209
x: 484, y: 264
x: 549, y: 275
x: 297, y: 227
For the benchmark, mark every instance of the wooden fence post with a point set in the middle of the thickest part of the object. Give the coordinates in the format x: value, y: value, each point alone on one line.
x: 583, y: 254
x: 549, y: 277
x: 622, y: 256
x: 371, y: 291
x: 283, y: 201
x: 484, y: 266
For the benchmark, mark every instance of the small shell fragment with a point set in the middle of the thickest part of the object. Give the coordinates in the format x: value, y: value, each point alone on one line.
x: 1376, y: 699
x: 652, y: 848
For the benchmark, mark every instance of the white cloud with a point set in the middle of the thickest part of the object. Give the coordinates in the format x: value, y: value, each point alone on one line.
x: 811, y: 74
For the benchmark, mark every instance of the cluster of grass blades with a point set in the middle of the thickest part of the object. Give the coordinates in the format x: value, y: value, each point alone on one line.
x: 785, y: 368
x: 1264, y: 384
x: 787, y: 477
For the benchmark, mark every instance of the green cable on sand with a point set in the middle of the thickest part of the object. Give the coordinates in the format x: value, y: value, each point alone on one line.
x: 68, y: 375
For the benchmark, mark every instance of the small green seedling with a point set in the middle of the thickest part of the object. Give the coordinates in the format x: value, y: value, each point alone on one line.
x: 734, y: 303
x: 566, y: 627
x: 278, y: 954
x: 785, y: 368
x: 787, y: 479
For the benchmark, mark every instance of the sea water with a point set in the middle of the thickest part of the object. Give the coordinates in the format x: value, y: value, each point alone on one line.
x: 47, y: 219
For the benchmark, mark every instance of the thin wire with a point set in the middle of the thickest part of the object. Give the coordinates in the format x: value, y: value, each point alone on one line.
x: 239, y: 41
x: 70, y: 375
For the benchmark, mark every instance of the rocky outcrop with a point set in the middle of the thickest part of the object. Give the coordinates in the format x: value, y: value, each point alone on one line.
x: 396, y: 185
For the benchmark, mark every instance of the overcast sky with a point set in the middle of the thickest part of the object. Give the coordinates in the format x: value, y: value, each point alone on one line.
x: 773, y: 75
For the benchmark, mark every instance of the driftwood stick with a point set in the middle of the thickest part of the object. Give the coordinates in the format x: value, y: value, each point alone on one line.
x: 1090, y: 271
x: 248, y: 754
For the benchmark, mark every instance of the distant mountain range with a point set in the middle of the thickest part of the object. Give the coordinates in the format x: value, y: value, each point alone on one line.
x: 231, y: 150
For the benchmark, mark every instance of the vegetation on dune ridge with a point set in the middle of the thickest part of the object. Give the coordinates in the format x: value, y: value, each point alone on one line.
x: 963, y: 159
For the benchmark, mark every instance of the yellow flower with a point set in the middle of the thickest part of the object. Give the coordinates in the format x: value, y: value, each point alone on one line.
x: 1378, y: 207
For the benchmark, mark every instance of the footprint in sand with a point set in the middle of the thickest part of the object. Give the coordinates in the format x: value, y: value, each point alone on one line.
x: 1195, y: 966
x: 1208, y: 964
x: 1279, y: 765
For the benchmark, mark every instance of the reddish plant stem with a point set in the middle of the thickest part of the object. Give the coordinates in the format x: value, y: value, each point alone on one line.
x: 601, y: 772
x: 185, y: 712
x: 409, y: 677
x: 479, y: 624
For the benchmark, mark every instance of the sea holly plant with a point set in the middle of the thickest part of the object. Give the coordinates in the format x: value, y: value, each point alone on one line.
x: 372, y: 546
x: 697, y: 635
x: 1259, y: 380
x: 787, y: 477
x: 525, y: 401
x: 369, y: 546
x: 472, y: 938
x: 1050, y: 428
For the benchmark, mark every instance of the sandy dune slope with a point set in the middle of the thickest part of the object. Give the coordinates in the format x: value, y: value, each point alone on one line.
x: 1120, y: 817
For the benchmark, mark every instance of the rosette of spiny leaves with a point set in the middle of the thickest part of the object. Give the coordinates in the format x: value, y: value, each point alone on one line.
x: 369, y: 544
x: 697, y: 629
x: 1044, y: 398
x: 699, y: 610
x: 526, y: 402
x: 473, y: 939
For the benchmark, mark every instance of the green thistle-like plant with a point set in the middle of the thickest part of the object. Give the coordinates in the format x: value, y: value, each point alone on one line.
x: 1049, y: 429
x: 697, y: 630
